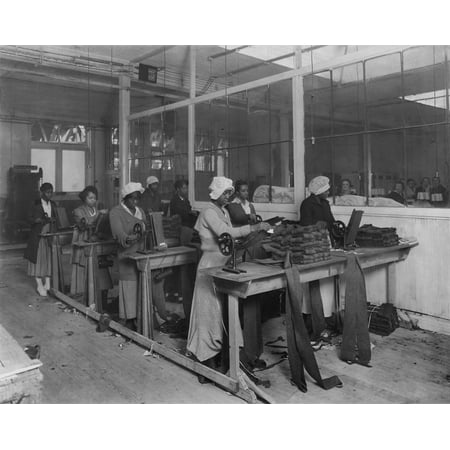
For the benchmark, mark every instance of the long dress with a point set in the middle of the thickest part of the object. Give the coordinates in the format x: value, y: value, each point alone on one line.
x: 122, y: 225
x: 206, y: 322
x: 38, y: 251
x: 77, y: 285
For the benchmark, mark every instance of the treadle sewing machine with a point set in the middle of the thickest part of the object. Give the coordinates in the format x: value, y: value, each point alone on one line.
x: 343, y: 236
x: 152, y: 235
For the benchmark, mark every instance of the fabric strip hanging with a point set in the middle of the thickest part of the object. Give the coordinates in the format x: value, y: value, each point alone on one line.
x: 316, y: 308
x: 355, y: 336
x: 301, y: 354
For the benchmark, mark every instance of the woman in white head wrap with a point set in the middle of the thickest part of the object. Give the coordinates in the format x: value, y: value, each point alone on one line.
x: 316, y: 207
x: 206, y: 326
x: 316, y: 210
x: 123, y: 218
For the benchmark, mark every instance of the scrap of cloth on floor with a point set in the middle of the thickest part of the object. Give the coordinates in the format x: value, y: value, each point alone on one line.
x: 301, y: 354
x: 355, y: 336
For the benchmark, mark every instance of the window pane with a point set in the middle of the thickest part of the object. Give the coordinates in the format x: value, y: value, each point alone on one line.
x: 425, y: 82
x: 428, y: 157
x: 259, y: 125
x: 317, y: 100
x: 45, y: 158
x: 348, y: 99
x: 384, y: 92
x: 318, y: 159
x: 73, y: 170
x: 387, y: 161
x: 349, y: 165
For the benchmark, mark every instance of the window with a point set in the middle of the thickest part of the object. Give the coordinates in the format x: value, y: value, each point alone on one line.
x: 247, y: 135
x: 158, y: 146
x: 378, y: 122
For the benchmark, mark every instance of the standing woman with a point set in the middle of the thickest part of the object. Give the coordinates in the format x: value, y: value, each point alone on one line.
x: 86, y: 215
x: 38, y: 252
x: 206, y: 322
x: 123, y: 219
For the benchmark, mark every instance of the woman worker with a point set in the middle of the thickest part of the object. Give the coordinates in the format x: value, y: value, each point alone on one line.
x: 86, y: 216
x: 38, y: 252
x: 242, y: 212
x: 123, y: 219
x: 206, y: 327
x: 316, y: 210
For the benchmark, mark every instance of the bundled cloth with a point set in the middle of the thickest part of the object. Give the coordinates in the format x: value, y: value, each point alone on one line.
x: 383, y: 319
x: 307, y: 244
x: 370, y: 236
x: 172, y: 227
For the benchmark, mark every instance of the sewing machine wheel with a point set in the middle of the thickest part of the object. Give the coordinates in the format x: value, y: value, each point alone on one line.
x: 338, y: 229
x: 137, y: 230
x: 258, y: 218
x: 226, y: 244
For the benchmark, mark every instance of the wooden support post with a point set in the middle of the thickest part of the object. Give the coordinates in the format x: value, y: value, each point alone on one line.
x: 124, y: 112
x: 298, y: 118
x: 191, y: 125
x: 233, y: 326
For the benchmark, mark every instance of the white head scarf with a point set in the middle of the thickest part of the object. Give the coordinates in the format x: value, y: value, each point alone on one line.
x: 319, y: 185
x: 218, y: 186
x: 130, y: 188
x: 151, y: 179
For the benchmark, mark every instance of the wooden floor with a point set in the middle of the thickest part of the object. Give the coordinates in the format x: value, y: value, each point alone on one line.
x: 83, y: 366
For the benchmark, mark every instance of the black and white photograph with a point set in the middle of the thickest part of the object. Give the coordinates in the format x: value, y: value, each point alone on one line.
x: 223, y: 226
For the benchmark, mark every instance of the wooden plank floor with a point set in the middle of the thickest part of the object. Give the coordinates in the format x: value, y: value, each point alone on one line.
x: 82, y: 366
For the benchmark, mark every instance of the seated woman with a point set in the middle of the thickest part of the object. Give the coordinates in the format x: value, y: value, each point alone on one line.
x: 86, y: 216
x: 346, y: 187
x: 423, y: 192
x: 181, y: 205
x: 206, y: 322
x: 398, y: 193
x: 242, y: 212
x: 38, y: 252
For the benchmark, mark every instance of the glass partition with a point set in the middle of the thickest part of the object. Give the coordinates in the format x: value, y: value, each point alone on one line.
x: 387, y: 116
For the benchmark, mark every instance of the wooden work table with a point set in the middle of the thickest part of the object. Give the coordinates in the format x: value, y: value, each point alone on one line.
x: 146, y: 263
x: 20, y: 377
x: 260, y: 278
x: 92, y: 296
x: 56, y: 263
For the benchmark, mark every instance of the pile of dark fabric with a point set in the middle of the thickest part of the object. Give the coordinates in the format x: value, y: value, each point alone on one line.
x: 172, y: 227
x: 370, y: 236
x: 307, y: 244
x: 383, y: 319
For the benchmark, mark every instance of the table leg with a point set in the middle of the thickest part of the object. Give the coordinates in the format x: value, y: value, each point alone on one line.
x: 391, y: 283
x: 187, y: 287
x: 253, y: 344
x: 233, y: 326
x: 55, y: 265
x: 145, y: 303
x: 97, y: 293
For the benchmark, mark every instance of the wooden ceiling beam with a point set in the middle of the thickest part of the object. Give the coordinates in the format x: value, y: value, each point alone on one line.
x: 147, y: 55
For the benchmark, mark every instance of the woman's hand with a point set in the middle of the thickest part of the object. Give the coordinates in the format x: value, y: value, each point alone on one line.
x: 252, y: 218
x: 103, y: 211
x: 261, y: 226
x: 132, y: 238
